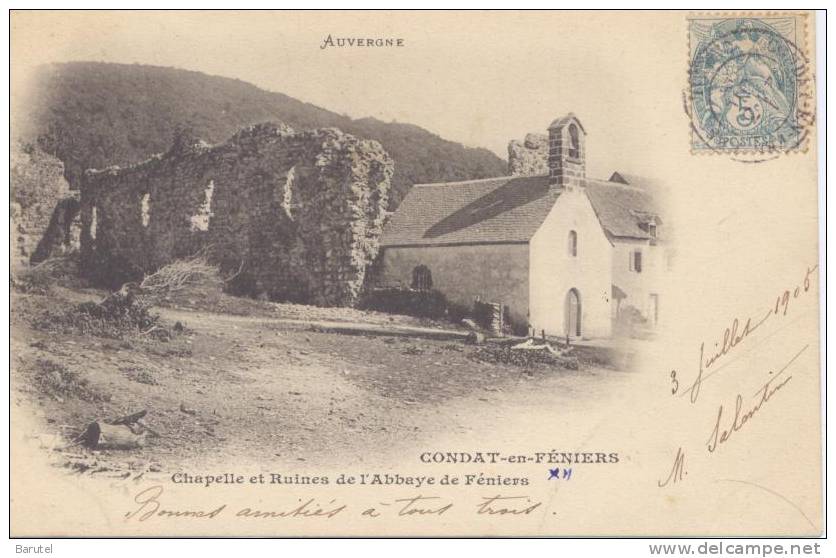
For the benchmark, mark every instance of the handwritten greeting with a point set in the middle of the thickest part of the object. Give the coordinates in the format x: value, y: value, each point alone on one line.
x: 148, y: 504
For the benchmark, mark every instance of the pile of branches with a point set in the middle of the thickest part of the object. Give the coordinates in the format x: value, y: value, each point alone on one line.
x: 128, y: 310
x: 525, y: 357
x: 178, y: 276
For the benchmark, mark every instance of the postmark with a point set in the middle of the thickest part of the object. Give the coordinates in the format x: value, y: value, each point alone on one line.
x: 749, y: 87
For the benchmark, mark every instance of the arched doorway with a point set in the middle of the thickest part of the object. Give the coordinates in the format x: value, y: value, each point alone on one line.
x: 572, y: 312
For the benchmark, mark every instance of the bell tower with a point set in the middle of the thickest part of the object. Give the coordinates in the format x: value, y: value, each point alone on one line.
x: 567, y: 153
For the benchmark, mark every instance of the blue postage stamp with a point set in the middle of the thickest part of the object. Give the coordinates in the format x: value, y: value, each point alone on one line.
x: 747, y: 84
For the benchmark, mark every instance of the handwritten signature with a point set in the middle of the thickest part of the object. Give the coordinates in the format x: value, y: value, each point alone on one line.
x: 721, y: 435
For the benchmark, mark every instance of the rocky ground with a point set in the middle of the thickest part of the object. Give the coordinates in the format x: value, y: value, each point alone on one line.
x: 250, y: 381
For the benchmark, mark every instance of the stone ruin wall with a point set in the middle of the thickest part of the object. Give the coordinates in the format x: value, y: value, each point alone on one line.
x: 529, y: 157
x: 43, y: 209
x: 293, y: 216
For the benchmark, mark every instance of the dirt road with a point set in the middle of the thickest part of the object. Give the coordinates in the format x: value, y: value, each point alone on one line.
x: 270, y: 393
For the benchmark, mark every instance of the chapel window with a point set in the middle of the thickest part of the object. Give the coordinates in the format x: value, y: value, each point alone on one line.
x: 574, y: 142
x: 422, y: 278
x: 573, y: 243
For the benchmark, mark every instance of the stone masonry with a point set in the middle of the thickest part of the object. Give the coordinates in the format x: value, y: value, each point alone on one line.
x: 42, y: 205
x: 560, y: 154
x: 567, y: 157
x: 529, y: 157
x: 290, y: 215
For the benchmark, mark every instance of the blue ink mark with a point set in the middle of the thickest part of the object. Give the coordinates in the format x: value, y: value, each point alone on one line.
x: 553, y: 474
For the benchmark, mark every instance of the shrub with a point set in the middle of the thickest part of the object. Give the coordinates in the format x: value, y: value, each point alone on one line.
x: 457, y: 312
x: 114, y: 317
x: 56, y: 380
x: 422, y: 304
x: 32, y: 283
x: 40, y: 278
x: 512, y: 326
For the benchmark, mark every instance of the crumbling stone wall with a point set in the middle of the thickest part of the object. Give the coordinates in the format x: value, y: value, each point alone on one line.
x: 37, y: 188
x: 63, y: 234
x: 529, y: 157
x: 291, y: 215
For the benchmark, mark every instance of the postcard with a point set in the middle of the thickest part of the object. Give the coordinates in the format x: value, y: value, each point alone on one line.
x: 414, y: 273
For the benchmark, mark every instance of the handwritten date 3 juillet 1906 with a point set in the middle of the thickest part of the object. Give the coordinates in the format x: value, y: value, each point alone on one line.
x: 730, y: 419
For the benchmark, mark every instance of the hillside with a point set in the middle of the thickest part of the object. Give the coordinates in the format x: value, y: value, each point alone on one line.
x: 91, y: 115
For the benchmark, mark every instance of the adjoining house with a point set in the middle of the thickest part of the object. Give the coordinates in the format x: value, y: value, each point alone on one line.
x: 564, y: 253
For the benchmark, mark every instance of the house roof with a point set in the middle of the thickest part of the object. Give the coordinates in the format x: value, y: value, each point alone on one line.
x: 634, y: 180
x: 508, y: 209
x: 621, y: 209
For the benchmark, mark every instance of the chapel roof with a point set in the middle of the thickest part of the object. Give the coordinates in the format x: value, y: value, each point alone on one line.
x: 508, y: 209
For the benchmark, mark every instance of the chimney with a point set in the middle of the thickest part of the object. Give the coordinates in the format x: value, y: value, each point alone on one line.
x: 567, y: 153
